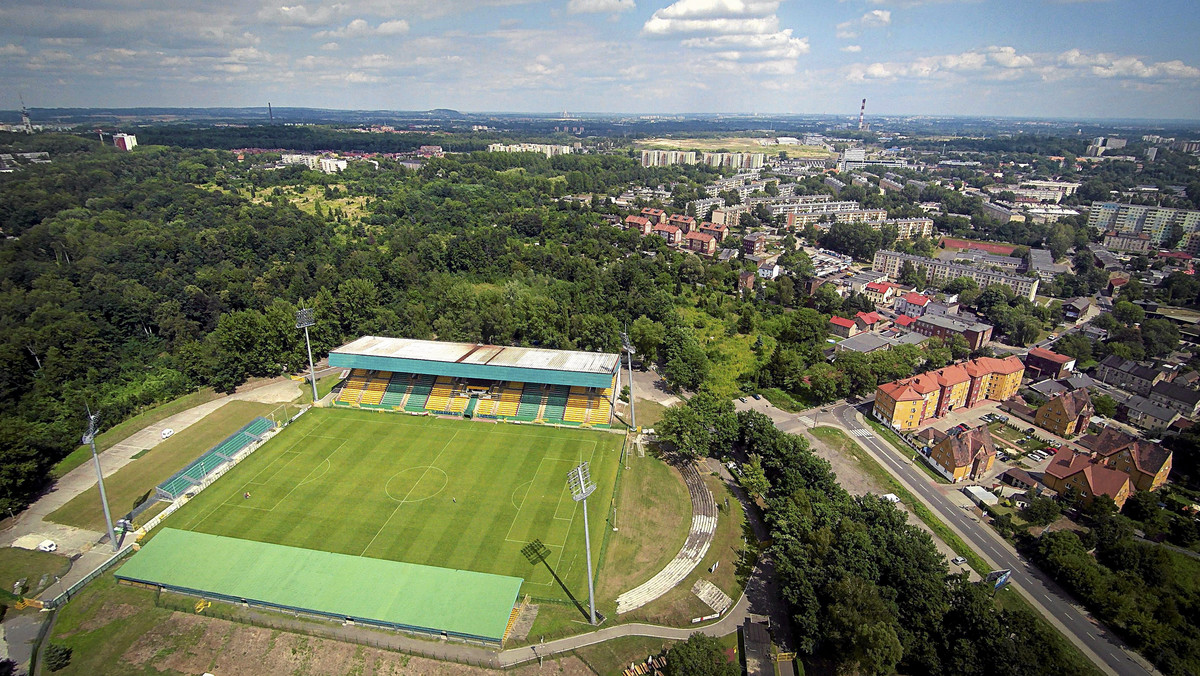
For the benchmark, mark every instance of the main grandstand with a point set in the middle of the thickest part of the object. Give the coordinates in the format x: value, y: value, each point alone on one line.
x: 480, y: 381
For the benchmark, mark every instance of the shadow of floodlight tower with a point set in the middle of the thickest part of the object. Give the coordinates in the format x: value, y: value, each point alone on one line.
x: 536, y: 552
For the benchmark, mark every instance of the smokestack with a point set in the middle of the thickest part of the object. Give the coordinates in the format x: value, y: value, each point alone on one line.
x: 862, y: 113
x: 271, y: 113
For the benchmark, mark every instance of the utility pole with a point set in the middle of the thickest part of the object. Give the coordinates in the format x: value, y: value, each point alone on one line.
x: 304, y: 319
x: 90, y: 439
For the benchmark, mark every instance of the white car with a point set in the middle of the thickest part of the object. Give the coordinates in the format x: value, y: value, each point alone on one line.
x: 167, y: 433
x: 47, y: 546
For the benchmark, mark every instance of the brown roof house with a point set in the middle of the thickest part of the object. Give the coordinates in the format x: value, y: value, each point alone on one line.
x: 1087, y: 477
x: 1067, y: 414
x: 965, y: 455
x: 1147, y: 464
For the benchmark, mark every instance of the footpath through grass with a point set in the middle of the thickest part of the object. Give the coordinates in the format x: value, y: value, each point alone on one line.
x: 116, y: 433
x: 136, y: 481
x: 1007, y: 598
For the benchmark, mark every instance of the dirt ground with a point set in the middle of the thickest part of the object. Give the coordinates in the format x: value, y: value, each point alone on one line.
x: 854, y: 480
x: 194, y: 645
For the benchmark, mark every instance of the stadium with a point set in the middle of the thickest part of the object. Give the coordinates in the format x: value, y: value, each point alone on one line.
x: 407, y: 522
x: 485, y: 381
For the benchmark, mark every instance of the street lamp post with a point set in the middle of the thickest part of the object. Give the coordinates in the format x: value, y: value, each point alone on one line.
x: 304, y: 319
x: 580, y: 481
x: 90, y: 438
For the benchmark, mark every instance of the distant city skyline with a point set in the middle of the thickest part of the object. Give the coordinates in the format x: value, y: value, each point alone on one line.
x: 1085, y: 59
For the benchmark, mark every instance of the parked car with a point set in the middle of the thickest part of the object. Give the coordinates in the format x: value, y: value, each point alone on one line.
x: 1030, y: 430
x: 47, y: 546
x: 957, y: 561
x: 757, y: 396
x: 742, y: 399
x: 167, y: 433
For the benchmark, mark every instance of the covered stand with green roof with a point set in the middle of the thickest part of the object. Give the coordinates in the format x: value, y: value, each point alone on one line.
x: 391, y: 594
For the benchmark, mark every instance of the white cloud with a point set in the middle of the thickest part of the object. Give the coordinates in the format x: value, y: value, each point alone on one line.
x: 1129, y: 67
x: 361, y: 28
x: 330, y: 47
x: 853, y: 49
x: 12, y: 50
x: 600, y: 6
x: 876, y: 18
x: 300, y: 15
x: 741, y: 31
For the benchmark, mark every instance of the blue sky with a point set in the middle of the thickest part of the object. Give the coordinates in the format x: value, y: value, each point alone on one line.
x: 1037, y: 58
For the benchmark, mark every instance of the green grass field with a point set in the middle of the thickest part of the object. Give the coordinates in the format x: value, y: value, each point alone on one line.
x: 455, y: 494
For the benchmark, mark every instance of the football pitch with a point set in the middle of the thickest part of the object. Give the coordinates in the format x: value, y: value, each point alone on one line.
x: 455, y: 494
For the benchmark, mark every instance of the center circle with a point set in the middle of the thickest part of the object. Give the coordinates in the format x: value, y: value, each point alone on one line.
x: 416, y: 484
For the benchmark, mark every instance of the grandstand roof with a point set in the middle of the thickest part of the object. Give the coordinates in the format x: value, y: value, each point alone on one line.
x: 473, y: 360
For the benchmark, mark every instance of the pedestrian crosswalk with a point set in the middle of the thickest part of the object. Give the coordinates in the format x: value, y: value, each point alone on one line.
x: 807, y: 420
x: 861, y: 433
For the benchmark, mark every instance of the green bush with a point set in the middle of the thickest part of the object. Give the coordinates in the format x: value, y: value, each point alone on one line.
x: 57, y: 657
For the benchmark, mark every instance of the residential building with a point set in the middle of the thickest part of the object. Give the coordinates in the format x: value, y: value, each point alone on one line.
x: 1041, y: 263
x: 124, y: 142
x: 1152, y: 221
x: 768, y: 271
x: 1041, y: 362
x: 881, y: 293
x: 875, y: 217
x: 1148, y: 464
x: 858, y: 282
x: 904, y: 321
x: 1067, y: 414
x: 639, y: 223
x: 719, y: 232
x: 942, y: 271
x: 935, y: 325
x: 664, y: 158
x: 655, y: 216
x: 907, y: 403
x: 754, y: 243
x: 543, y: 148
x: 1183, y: 400
x: 1121, y: 241
x: 867, y: 321
x: 1086, y: 477
x: 911, y: 228
x: 735, y: 160
x: 834, y: 183
x: 841, y: 326
x: 1128, y: 375
x: 746, y: 281
x: 912, y: 304
x: 1146, y: 414
x: 331, y: 165
x: 1077, y: 308
x: 965, y: 455
x: 684, y: 223
x: 702, y: 206
x: 667, y: 232
x: 729, y: 216
x: 1002, y: 213
x: 700, y: 242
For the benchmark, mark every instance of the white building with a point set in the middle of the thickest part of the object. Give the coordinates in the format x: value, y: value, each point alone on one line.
x: 124, y: 142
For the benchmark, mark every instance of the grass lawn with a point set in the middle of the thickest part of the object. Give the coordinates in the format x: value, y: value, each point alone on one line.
x: 16, y: 563
x: 733, y: 144
x: 447, y: 493
x: 126, y: 488
x: 782, y: 400
x: 110, y: 437
x: 654, y: 514
x: 100, y: 624
x: 612, y: 658
x: 648, y: 412
x: 730, y: 355
x: 324, y: 385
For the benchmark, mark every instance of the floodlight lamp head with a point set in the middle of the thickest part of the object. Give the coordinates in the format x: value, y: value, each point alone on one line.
x: 580, y: 481
x: 304, y: 318
x: 93, y: 425
x: 535, y: 552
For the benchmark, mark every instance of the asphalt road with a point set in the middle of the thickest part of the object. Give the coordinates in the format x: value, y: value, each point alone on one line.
x: 1102, y: 643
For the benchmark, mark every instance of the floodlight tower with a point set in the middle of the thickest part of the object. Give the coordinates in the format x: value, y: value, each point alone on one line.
x: 90, y: 438
x: 630, y: 351
x: 580, y: 481
x: 304, y: 319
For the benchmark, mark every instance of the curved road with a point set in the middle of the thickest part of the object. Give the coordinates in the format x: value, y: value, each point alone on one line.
x: 1101, y: 645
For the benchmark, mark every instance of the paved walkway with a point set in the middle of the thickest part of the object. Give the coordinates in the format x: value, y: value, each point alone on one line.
x: 704, y: 526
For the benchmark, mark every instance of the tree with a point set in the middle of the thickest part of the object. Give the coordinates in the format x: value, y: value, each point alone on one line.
x: 646, y: 336
x: 700, y: 655
x: 1105, y: 405
x: 1041, y: 511
x: 1127, y: 313
x: 753, y: 479
x: 908, y: 275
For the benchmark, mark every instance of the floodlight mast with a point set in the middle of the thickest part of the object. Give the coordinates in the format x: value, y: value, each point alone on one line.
x: 304, y: 319
x: 580, y: 481
x: 90, y: 438
x: 630, y: 351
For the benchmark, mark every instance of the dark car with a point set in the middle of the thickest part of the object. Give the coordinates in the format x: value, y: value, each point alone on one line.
x: 757, y: 396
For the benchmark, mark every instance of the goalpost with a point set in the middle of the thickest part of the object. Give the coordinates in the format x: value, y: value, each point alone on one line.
x: 284, y: 414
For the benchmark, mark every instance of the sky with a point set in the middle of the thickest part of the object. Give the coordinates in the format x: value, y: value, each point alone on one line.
x: 1022, y: 58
